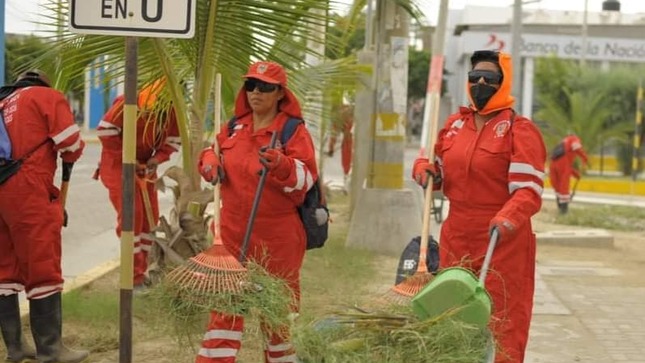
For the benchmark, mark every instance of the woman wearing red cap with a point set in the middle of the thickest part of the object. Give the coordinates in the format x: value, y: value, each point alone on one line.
x: 490, y: 163
x: 278, y: 241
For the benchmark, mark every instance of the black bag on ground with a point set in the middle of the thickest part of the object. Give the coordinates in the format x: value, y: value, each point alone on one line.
x: 410, y: 259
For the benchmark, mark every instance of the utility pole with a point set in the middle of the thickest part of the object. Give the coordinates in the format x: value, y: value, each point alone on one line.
x: 385, y: 215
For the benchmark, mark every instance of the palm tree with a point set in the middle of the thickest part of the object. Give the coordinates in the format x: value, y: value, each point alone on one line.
x: 584, y: 113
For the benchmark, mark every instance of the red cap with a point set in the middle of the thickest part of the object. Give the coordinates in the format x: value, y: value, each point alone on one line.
x: 274, y: 73
x: 269, y: 72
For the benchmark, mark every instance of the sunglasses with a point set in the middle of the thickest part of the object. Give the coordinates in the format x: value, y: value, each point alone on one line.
x: 251, y: 84
x: 490, y: 77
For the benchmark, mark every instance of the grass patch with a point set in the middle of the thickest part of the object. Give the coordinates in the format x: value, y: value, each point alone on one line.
x: 613, y: 217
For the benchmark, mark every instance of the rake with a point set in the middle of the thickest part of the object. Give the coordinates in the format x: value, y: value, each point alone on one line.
x: 408, y: 288
x: 214, y: 270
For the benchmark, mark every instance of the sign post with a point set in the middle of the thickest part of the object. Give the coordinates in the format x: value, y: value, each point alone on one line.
x: 132, y: 19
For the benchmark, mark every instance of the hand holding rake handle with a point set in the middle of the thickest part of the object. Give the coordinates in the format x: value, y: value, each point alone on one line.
x: 256, y: 203
x: 64, y: 187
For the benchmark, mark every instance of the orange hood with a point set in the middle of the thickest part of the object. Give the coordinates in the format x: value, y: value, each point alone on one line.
x: 148, y: 95
x: 502, y: 99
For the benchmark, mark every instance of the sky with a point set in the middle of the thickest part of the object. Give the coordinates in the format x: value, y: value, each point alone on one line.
x: 20, y: 15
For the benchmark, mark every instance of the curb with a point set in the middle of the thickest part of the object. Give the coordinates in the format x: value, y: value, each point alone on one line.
x: 81, y: 280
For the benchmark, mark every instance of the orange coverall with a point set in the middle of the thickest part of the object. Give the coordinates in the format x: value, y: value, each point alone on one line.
x: 497, y: 171
x: 561, y: 167
x: 278, y: 239
x: 31, y: 215
x: 343, y: 124
x: 155, y: 138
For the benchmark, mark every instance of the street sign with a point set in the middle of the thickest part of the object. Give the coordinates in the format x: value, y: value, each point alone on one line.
x: 138, y: 18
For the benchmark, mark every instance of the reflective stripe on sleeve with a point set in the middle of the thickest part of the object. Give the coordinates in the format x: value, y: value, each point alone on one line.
x: 524, y: 168
x: 513, y: 186
x: 71, y: 130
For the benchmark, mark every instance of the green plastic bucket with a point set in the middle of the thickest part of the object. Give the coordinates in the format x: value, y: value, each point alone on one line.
x: 458, y: 292
x: 455, y: 291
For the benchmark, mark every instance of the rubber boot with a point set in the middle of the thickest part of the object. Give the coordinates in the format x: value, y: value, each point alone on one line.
x: 564, y: 208
x: 17, y: 350
x: 46, y: 326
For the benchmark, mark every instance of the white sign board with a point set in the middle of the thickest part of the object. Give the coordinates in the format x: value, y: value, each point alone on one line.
x: 561, y: 46
x: 138, y: 18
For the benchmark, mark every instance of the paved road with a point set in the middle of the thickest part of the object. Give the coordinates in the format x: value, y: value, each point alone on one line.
x: 585, y: 321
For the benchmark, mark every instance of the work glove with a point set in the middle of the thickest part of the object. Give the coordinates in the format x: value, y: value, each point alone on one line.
x: 276, y: 162
x: 151, y: 166
x: 422, y: 170
x: 210, y: 167
x: 506, y: 229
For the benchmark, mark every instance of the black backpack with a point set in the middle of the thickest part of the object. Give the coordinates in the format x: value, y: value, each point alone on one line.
x: 313, y: 211
x: 409, y: 260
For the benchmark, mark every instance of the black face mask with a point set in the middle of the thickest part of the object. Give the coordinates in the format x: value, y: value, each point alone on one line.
x: 481, y: 93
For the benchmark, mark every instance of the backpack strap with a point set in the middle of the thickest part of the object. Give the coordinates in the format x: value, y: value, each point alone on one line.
x: 231, y: 125
x: 289, y: 129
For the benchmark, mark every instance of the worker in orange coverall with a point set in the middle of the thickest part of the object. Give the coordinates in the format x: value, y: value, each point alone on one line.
x: 157, y: 138
x: 342, y: 124
x: 490, y: 163
x: 40, y: 125
x: 561, y: 169
x: 278, y: 241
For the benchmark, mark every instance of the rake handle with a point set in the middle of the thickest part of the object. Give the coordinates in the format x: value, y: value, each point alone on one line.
x: 217, y: 120
x: 494, y: 238
x: 256, y: 203
x: 147, y: 204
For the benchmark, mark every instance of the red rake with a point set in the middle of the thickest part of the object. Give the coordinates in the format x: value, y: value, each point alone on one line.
x: 214, y: 270
x: 404, y: 291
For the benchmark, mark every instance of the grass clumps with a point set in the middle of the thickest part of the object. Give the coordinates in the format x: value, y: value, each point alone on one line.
x: 264, y: 297
x: 395, y: 335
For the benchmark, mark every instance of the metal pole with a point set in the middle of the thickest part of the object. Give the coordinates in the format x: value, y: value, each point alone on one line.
x: 585, y: 31
x: 127, y: 207
x: 516, y: 42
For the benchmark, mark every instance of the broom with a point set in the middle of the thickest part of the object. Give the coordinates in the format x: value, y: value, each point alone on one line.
x: 405, y: 290
x: 214, y: 270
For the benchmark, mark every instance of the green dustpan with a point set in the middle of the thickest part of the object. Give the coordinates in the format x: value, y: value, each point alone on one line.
x: 458, y: 292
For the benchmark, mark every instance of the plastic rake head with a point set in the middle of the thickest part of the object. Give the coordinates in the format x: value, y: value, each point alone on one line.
x: 403, y: 292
